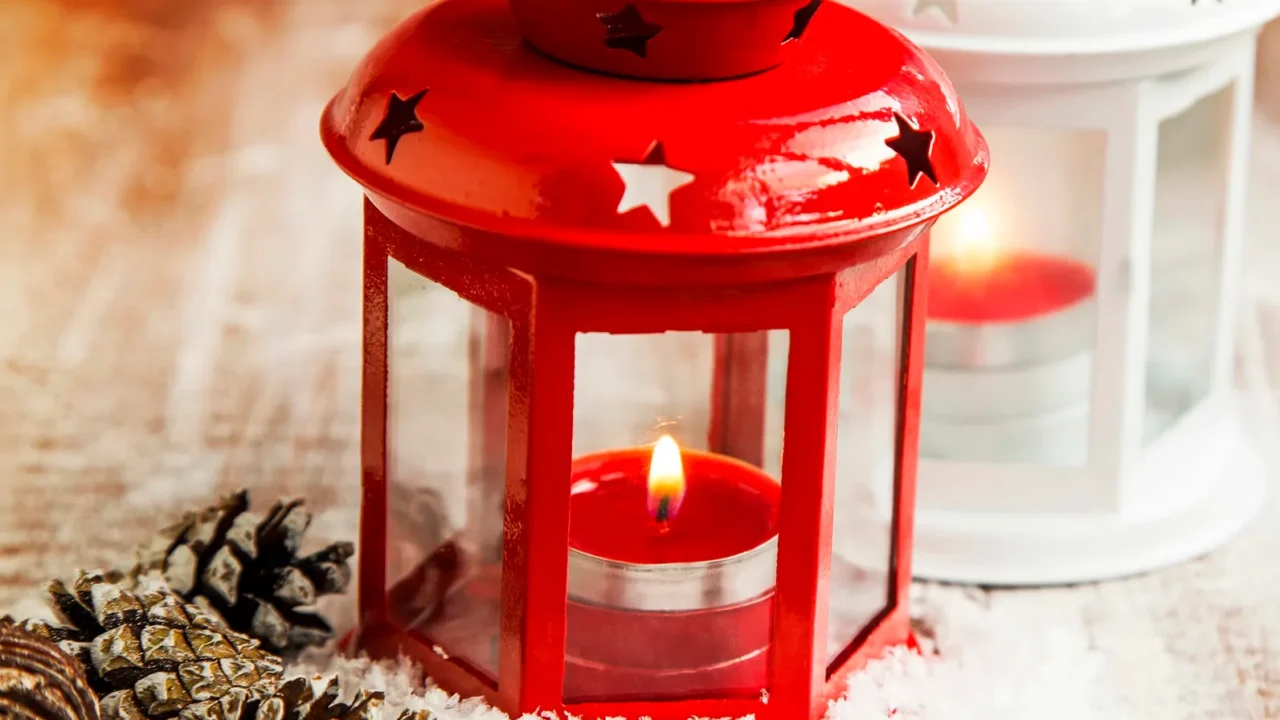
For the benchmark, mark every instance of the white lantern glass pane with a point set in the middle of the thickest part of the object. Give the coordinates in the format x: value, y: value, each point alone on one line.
x: 1009, y: 357
x: 862, y: 542
x: 446, y: 466
x: 1186, y: 260
x: 673, y: 542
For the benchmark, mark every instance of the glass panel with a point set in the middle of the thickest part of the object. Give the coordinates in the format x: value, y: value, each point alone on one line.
x: 1186, y: 259
x: 446, y: 461
x: 1012, y: 315
x: 673, y: 515
x: 861, y: 585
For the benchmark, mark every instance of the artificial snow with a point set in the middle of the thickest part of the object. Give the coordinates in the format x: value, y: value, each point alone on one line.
x: 973, y: 666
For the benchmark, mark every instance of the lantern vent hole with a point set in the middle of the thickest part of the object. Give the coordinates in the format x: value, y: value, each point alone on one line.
x: 800, y: 20
x: 915, y: 147
x: 400, y: 119
x: 627, y: 30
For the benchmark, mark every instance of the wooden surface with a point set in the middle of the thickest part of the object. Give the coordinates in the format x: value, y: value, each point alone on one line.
x: 179, y: 295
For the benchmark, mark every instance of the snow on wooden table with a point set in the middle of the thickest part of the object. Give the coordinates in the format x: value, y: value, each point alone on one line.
x: 179, y: 316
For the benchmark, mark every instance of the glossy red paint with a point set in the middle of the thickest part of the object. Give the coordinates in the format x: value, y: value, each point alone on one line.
x: 730, y: 507
x: 674, y: 40
x: 521, y: 147
x: 738, y: 424
x: 508, y: 178
x: 1015, y: 286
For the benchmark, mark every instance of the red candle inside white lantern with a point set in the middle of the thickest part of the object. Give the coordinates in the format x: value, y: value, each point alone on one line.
x: 991, y: 305
x: 1008, y: 355
x: 974, y: 280
x: 671, y: 573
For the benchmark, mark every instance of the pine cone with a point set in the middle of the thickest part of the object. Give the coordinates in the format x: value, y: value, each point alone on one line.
x: 40, y: 682
x: 154, y: 656
x: 296, y: 700
x: 245, y: 568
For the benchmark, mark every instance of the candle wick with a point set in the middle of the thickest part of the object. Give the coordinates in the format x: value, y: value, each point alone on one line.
x: 664, y: 511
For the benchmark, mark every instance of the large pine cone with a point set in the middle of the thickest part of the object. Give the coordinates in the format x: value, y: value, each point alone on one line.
x: 38, y: 681
x: 245, y: 568
x: 153, y: 656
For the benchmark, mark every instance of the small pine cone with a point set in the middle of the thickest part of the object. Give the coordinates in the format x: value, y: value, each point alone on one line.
x: 296, y: 700
x: 38, y: 681
x: 245, y: 568
x: 153, y: 656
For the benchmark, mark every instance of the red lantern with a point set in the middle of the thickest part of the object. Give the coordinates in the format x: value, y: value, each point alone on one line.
x: 563, y: 266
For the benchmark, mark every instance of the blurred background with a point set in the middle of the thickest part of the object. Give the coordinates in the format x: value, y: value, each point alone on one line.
x: 180, y: 266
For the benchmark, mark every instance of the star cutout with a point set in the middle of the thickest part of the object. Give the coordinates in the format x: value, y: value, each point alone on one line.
x: 649, y: 183
x: 800, y: 21
x: 913, y: 146
x: 626, y: 30
x: 946, y: 7
x: 400, y: 120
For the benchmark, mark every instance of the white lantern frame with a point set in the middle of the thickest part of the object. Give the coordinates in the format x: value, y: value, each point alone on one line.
x: 1133, y: 506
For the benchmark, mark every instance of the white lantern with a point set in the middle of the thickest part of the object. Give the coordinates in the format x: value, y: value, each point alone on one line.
x: 1079, y: 420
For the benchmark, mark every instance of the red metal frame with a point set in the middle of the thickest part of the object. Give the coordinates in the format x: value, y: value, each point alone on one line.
x: 544, y: 317
x: 499, y: 291
x: 489, y: 347
x: 738, y: 389
x: 797, y: 191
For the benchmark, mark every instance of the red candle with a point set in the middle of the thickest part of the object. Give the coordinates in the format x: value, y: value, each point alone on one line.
x: 633, y: 511
x: 635, y: 506
x: 1012, y: 286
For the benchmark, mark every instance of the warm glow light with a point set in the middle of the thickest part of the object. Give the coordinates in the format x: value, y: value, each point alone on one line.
x: 975, y: 226
x: 666, y: 480
x: 971, y: 244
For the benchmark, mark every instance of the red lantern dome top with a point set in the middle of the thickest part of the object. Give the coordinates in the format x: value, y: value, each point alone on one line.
x: 667, y: 39
x: 453, y: 118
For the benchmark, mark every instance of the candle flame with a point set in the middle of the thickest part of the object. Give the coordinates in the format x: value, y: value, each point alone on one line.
x: 666, y: 479
x: 971, y: 244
